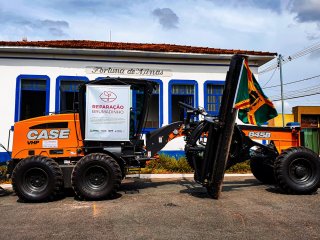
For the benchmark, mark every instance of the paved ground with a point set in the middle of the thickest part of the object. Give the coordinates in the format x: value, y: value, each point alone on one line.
x: 168, y: 209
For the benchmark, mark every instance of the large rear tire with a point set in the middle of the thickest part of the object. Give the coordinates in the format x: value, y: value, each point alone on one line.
x: 96, y: 176
x: 262, y: 171
x: 297, y: 171
x: 37, y: 179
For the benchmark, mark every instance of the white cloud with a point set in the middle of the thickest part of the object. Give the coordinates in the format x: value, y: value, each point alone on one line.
x: 286, y: 106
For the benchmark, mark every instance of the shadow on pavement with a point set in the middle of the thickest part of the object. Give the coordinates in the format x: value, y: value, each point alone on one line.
x: 138, y: 184
x: 4, y: 192
x: 134, y: 186
x: 201, y: 192
x: 192, y: 188
x: 278, y: 190
x: 70, y: 193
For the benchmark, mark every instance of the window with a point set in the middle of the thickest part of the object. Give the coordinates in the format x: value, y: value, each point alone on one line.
x: 32, y: 96
x: 67, y: 88
x: 310, y: 121
x: 213, y: 91
x: 137, y: 107
x: 181, y: 91
x: 155, y: 111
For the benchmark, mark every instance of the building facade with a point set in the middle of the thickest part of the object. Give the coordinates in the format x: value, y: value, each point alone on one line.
x: 309, y: 119
x: 40, y: 78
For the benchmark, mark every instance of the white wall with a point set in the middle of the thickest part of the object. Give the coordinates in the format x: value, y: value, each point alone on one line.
x: 10, y: 69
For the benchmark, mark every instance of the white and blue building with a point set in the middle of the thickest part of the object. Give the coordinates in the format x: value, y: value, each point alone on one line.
x: 40, y: 78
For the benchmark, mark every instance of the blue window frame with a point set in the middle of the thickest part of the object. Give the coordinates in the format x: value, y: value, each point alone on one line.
x: 213, y: 91
x: 32, y: 96
x: 66, y: 87
x: 181, y: 90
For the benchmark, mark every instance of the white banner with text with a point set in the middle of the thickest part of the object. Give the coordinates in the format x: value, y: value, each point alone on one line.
x: 107, y: 113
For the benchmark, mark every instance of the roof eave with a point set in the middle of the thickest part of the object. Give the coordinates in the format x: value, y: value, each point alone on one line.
x: 258, y: 59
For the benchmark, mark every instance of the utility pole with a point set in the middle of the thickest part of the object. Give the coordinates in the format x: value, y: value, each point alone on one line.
x: 281, y: 85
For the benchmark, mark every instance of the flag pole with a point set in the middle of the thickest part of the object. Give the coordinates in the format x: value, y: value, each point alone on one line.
x: 281, y: 85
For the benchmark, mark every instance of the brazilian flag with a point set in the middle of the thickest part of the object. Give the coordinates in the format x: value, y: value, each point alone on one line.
x: 254, y: 106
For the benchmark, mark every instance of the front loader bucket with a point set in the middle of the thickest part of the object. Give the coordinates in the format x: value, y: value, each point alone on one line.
x: 220, y: 133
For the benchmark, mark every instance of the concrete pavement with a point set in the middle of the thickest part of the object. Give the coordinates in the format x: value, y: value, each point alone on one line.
x: 168, y: 209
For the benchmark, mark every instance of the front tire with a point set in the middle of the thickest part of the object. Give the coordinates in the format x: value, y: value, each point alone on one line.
x: 297, y: 171
x: 37, y: 179
x: 96, y: 176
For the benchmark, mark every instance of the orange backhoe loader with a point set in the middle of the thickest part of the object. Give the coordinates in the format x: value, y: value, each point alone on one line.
x: 92, y: 148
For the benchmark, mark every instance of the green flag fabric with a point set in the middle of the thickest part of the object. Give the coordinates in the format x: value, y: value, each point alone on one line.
x: 254, y: 106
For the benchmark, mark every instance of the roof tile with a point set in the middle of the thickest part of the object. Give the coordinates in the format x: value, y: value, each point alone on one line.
x: 86, y: 44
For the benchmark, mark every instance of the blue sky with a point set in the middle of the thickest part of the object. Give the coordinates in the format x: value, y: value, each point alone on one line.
x: 285, y: 27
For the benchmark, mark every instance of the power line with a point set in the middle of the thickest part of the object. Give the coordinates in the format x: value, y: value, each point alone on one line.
x: 269, y: 68
x: 270, y: 78
x: 304, y: 92
x: 312, y: 88
x: 307, y: 50
x: 301, y: 80
x: 287, y: 98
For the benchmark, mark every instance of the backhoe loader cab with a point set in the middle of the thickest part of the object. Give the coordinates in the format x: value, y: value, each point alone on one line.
x: 90, y: 149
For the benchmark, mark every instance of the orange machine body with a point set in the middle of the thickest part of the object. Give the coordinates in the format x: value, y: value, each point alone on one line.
x: 283, y: 138
x: 54, y: 136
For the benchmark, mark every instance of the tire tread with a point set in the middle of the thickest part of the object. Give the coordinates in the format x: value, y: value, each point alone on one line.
x: 43, y: 160
x: 279, y: 165
x: 116, y: 180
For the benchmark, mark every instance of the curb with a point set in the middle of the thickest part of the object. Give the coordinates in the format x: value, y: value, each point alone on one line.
x: 6, y: 186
